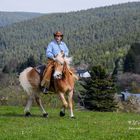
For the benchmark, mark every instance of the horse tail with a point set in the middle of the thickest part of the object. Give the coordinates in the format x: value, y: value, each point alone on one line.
x: 24, y: 82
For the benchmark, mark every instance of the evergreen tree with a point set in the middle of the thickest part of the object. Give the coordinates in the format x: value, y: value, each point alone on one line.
x: 132, y: 59
x: 5, y: 69
x: 100, y: 91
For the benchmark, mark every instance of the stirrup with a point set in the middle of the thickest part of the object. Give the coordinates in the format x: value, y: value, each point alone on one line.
x: 44, y: 90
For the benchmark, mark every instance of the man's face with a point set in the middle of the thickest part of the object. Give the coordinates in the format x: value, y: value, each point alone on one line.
x: 58, y: 38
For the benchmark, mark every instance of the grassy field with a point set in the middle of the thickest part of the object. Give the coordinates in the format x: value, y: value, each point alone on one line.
x: 86, y: 126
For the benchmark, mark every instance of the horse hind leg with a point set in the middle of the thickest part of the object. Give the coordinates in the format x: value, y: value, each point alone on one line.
x: 39, y: 102
x: 28, y: 106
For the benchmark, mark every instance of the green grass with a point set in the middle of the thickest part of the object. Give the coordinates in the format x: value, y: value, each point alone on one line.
x: 86, y: 126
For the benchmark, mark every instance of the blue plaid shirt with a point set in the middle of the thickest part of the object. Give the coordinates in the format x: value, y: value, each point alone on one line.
x: 54, y: 48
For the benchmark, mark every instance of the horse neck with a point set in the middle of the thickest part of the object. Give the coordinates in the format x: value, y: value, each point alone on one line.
x: 67, y: 73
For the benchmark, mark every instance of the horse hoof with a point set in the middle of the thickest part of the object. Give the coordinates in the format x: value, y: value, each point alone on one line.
x: 27, y: 114
x: 62, y: 114
x: 73, y: 117
x: 45, y: 115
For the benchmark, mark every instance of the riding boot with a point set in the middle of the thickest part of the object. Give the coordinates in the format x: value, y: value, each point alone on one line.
x: 45, y: 83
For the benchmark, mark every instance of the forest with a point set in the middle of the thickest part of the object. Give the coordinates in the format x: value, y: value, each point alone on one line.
x: 104, y: 41
x: 94, y: 36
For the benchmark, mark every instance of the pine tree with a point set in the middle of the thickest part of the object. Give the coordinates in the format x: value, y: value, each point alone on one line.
x: 100, y: 91
x: 132, y: 59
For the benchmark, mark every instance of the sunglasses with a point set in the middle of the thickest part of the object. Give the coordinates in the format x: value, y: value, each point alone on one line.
x: 58, y: 35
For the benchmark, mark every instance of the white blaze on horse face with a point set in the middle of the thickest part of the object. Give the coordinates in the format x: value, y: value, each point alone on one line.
x: 57, y: 75
x: 59, y: 66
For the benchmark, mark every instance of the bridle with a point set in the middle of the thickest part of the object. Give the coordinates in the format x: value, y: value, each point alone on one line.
x: 62, y: 64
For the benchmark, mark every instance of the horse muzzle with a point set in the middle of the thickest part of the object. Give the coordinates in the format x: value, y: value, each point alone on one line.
x: 57, y: 75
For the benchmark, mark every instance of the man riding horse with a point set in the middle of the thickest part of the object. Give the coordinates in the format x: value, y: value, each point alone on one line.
x: 54, y: 48
x: 62, y: 82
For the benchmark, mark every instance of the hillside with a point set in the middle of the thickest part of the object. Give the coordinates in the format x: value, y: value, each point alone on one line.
x: 94, y: 36
x: 7, y: 18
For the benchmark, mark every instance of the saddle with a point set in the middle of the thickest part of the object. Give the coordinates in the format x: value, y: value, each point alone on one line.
x: 40, y: 70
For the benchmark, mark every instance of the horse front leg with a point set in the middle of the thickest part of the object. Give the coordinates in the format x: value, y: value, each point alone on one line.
x: 39, y: 102
x: 65, y: 104
x: 70, y: 102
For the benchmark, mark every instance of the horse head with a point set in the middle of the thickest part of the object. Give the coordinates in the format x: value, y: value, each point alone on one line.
x: 60, y: 66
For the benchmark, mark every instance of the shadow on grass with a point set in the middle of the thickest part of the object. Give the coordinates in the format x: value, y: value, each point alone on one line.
x: 20, y: 115
x: 50, y: 117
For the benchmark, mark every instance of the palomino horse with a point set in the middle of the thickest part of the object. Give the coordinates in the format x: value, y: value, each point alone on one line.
x: 63, y: 81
